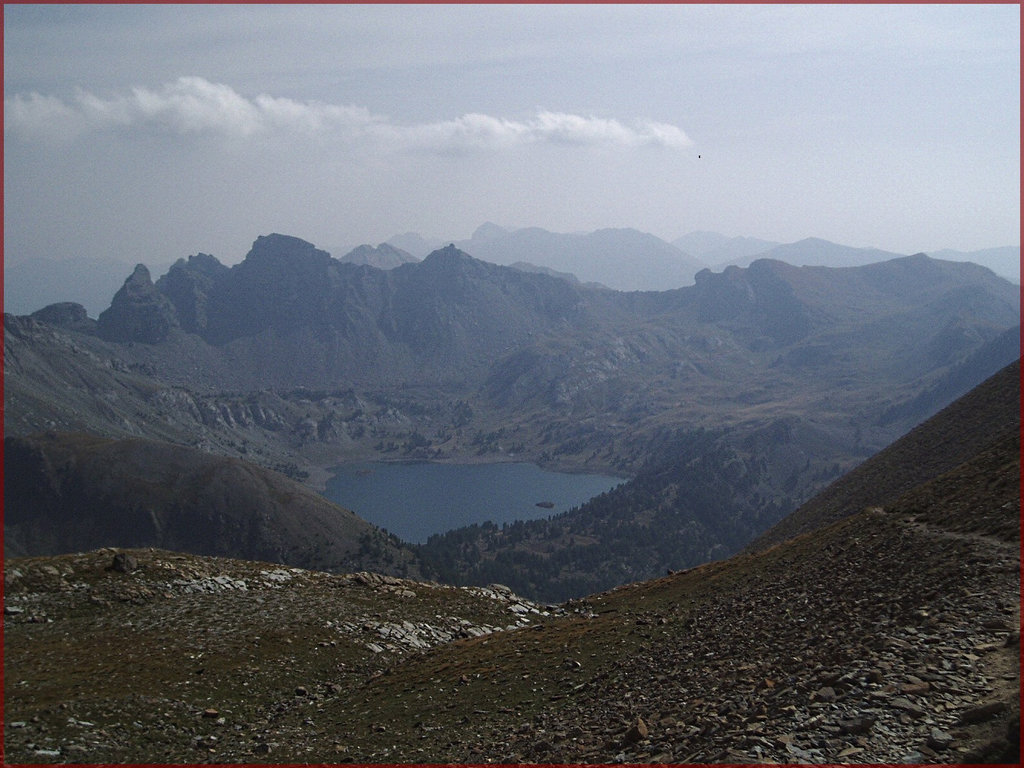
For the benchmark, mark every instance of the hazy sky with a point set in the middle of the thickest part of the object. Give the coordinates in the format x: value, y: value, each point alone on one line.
x: 150, y: 132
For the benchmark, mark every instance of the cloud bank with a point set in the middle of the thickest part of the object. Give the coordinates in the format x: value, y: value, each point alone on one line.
x: 193, y: 105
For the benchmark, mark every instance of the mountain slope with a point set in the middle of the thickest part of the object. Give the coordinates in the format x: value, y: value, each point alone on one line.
x: 597, y: 257
x: 702, y: 496
x: 1004, y: 261
x: 70, y: 493
x: 987, y: 415
x: 890, y: 636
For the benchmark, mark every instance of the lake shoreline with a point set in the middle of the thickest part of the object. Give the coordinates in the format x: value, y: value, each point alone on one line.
x: 415, y: 498
x: 320, y: 473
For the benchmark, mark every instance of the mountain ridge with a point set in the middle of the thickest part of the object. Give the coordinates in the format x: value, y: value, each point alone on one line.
x: 34, y: 283
x: 292, y: 357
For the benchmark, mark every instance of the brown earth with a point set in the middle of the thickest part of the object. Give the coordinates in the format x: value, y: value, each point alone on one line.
x: 890, y: 636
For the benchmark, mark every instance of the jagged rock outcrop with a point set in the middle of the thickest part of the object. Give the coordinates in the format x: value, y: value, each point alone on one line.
x: 138, y: 312
x: 759, y: 296
x: 188, y: 284
x: 66, y: 314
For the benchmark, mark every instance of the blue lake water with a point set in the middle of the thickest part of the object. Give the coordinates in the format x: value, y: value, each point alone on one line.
x: 418, y: 499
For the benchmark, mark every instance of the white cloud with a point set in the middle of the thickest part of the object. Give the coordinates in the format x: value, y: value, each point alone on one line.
x: 45, y: 117
x: 195, y: 105
x: 192, y: 104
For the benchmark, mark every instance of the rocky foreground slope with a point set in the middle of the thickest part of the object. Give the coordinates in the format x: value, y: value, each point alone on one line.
x: 890, y: 636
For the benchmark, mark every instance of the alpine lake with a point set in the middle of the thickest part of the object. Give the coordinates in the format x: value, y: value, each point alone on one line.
x: 415, y: 500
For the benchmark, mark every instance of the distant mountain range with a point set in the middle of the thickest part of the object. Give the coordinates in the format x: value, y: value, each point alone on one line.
x: 595, y: 257
x: 623, y: 259
x: 1004, y: 261
x: 717, y: 251
x: 756, y: 385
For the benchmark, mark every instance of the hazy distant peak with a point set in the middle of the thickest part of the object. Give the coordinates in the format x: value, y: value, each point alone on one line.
x: 488, y: 231
x: 718, y: 250
x: 384, y: 256
x: 448, y: 254
x: 1004, y: 260
x: 414, y: 244
x: 814, y: 251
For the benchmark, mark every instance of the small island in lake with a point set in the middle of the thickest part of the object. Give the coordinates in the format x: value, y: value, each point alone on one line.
x: 546, y: 504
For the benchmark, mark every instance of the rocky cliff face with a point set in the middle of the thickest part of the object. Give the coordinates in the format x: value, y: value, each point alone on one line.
x: 292, y: 314
x: 66, y: 314
x: 138, y: 312
x: 188, y: 284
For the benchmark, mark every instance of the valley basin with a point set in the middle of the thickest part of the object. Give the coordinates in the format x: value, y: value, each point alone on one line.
x: 415, y: 500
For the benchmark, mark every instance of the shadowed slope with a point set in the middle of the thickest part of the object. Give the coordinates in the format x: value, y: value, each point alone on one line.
x: 71, y: 492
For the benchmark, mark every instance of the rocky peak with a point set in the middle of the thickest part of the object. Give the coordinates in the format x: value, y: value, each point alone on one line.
x: 489, y: 231
x: 66, y: 314
x: 138, y: 312
x: 187, y: 285
x: 205, y: 263
x: 760, y: 295
x: 448, y: 257
x: 284, y: 250
x: 139, y: 279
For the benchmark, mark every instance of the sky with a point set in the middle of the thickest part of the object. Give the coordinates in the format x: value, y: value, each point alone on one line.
x: 152, y: 132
